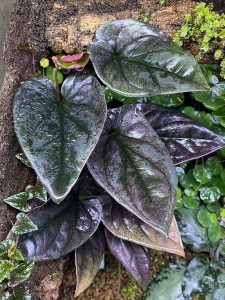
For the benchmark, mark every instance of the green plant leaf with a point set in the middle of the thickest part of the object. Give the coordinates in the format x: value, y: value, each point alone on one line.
x: 167, y: 284
x: 214, y: 233
x: 191, y: 202
x: 20, y: 201
x: 128, y: 155
x: 6, y: 267
x: 199, y: 278
x: 8, y: 249
x: 23, y: 159
x: 201, y: 174
x: 62, y: 228
x: 168, y: 100
x: 88, y: 259
x: 135, y: 59
x: 209, y: 194
x: 38, y: 192
x: 192, y: 233
x: 23, y: 224
x: 214, y: 207
x: 205, y: 218
x: 127, y: 226
x: 58, y: 136
x: 214, y: 166
x: 21, y: 273
x: 188, y: 181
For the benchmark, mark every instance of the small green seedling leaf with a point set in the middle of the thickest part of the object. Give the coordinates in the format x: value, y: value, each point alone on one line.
x: 20, y: 201
x: 201, y: 174
x: 214, y: 233
x: 6, y: 267
x: 209, y: 194
x: 21, y: 273
x: 23, y: 224
x: 44, y: 62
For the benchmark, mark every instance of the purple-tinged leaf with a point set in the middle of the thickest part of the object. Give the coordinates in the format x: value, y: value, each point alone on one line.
x: 184, y: 138
x: 133, y: 257
x: 88, y: 259
x: 76, y: 61
x: 127, y: 226
x: 132, y: 164
x: 61, y: 228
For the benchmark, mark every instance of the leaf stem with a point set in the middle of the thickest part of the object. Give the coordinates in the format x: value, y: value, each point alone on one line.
x: 55, y: 80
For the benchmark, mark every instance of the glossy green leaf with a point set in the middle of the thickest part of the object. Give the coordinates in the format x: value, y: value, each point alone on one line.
x: 214, y: 207
x: 21, y: 273
x: 214, y: 166
x: 8, y: 249
x: 167, y: 284
x: 168, y: 100
x: 88, y: 259
x: 132, y: 164
x: 201, y: 174
x: 127, y: 226
x: 61, y: 228
x: 205, y: 218
x: 23, y: 224
x: 135, y: 59
x: 210, y: 194
x: 219, y: 183
x: 58, y: 136
x: 188, y: 181
x: 199, y: 278
x: 214, y: 233
x: 6, y: 267
x: 193, y: 234
x: 191, y: 201
x: 133, y: 257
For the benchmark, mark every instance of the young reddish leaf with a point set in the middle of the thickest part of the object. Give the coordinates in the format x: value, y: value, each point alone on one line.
x: 133, y: 257
x: 127, y: 226
x: 184, y: 138
x: 88, y: 259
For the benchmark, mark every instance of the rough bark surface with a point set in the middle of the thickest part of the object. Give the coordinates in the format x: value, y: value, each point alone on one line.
x: 63, y: 25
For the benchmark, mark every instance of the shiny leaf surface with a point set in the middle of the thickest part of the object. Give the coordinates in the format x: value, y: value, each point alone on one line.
x: 136, y: 59
x: 24, y: 224
x: 61, y: 228
x: 21, y: 273
x: 58, y: 136
x: 127, y: 226
x: 132, y: 164
x: 167, y: 285
x: 88, y: 259
x: 133, y: 257
x: 184, y: 138
x: 192, y: 233
x: 199, y: 278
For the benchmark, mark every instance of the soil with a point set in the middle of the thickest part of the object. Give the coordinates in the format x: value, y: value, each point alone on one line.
x: 65, y: 25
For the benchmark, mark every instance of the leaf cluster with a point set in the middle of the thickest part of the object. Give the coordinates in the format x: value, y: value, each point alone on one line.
x: 205, y: 28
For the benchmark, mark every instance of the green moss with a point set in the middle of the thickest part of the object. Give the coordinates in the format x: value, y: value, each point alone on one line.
x: 130, y: 291
x: 206, y: 28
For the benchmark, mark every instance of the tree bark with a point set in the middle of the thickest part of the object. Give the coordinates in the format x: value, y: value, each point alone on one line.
x: 66, y: 25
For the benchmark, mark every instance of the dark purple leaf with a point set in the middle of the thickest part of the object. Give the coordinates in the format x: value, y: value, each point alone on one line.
x: 132, y: 164
x: 88, y: 259
x: 184, y: 138
x: 61, y: 228
x: 133, y: 257
x: 127, y: 226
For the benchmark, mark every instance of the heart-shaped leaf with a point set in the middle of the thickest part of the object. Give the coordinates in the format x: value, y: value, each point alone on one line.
x: 136, y: 59
x: 192, y: 233
x: 58, y: 136
x: 167, y: 284
x: 184, y: 138
x: 133, y: 257
x: 61, y: 228
x: 21, y: 273
x: 132, y: 164
x: 127, y: 226
x: 88, y: 259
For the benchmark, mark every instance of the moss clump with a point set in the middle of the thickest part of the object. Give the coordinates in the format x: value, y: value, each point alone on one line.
x: 206, y: 28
